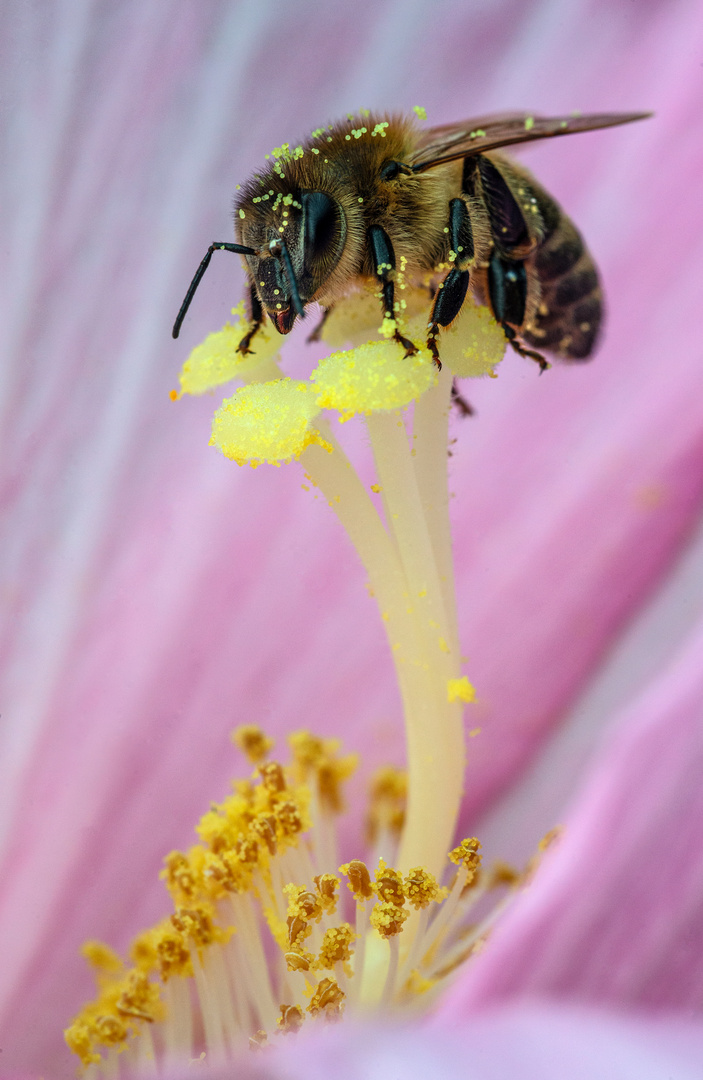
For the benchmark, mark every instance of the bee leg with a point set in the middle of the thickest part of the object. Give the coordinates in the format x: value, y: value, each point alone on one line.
x: 383, y: 259
x: 460, y: 401
x: 256, y: 316
x: 448, y: 303
x: 315, y: 335
x: 452, y: 291
x: 507, y: 286
x: 520, y: 349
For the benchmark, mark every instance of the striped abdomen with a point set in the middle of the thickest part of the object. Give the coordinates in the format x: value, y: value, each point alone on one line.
x: 570, y: 309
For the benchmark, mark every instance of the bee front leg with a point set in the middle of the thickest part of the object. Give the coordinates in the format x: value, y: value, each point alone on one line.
x: 383, y: 258
x: 256, y: 317
x: 507, y: 285
x: 452, y: 291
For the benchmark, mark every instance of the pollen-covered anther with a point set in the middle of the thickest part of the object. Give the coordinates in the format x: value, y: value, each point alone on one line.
x: 328, y: 999
x: 388, y: 918
x: 336, y: 946
x: 290, y: 1020
x: 467, y: 855
x: 179, y: 877
x: 389, y: 885
x: 298, y: 961
x: 421, y: 888
x: 102, y: 958
x: 251, y: 740
x: 289, y: 818
x: 197, y: 924
x: 264, y: 827
x: 272, y: 777
x: 80, y: 1040
x: 110, y: 1030
x: 140, y: 998
x: 387, y: 804
x: 302, y: 903
x: 258, y: 1040
x: 359, y: 882
x: 327, y: 886
x: 503, y: 874
x: 172, y: 953
x: 317, y: 762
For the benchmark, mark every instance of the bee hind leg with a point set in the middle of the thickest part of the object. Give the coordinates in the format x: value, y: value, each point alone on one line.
x: 383, y: 258
x: 520, y: 349
x: 458, y: 399
x: 507, y: 286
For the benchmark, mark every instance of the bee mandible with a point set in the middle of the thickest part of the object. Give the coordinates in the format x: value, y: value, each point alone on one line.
x: 368, y: 196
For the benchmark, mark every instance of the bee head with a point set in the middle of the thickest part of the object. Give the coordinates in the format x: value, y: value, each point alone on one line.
x: 299, y: 241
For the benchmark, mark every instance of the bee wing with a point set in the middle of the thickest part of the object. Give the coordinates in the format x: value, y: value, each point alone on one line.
x: 452, y: 141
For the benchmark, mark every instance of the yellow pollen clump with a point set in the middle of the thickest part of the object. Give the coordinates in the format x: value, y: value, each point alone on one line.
x: 267, y: 422
x: 460, y: 690
x: 376, y: 376
x: 250, y: 739
x: 216, y: 360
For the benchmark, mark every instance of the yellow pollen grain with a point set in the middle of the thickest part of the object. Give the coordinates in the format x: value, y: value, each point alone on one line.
x: 267, y: 422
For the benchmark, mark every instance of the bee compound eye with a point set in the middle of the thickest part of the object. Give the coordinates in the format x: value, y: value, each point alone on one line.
x: 322, y: 224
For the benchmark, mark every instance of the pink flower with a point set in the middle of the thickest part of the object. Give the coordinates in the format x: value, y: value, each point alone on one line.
x: 156, y: 596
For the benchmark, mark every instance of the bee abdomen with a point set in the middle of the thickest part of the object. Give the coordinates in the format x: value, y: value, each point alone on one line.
x: 570, y: 310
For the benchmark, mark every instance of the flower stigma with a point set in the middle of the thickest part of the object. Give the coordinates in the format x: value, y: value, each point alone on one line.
x: 268, y: 931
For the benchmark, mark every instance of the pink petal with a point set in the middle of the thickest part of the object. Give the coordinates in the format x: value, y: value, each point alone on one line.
x: 616, y: 913
x: 532, y: 1044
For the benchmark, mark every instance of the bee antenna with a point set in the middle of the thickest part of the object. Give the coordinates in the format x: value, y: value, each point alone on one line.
x: 279, y: 251
x: 238, y: 249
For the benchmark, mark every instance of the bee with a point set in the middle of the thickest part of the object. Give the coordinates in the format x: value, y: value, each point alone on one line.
x: 363, y: 198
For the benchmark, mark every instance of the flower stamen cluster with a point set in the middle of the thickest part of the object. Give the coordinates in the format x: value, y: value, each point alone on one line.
x: 203, y: 981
